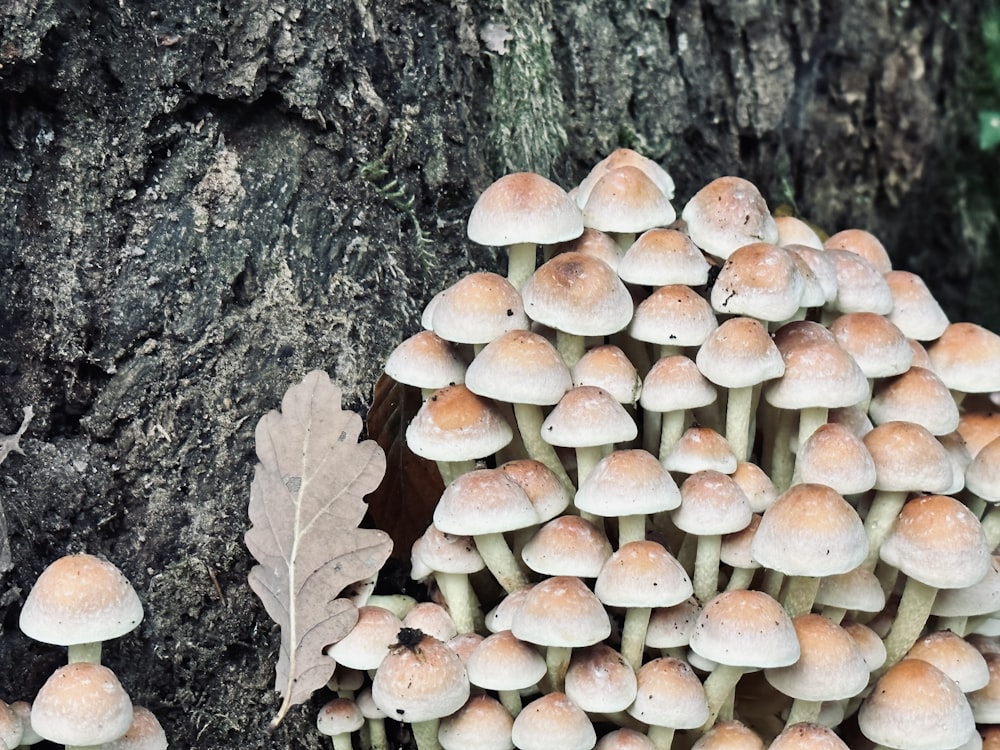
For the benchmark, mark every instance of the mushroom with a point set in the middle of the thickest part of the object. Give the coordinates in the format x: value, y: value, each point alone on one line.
x: 521, y: 211
x: 553, y: 721
x: 79, y: 601
x: 81, y: 705
x: 482, y: 723
x: 420, y: 681
x: 338, y: 719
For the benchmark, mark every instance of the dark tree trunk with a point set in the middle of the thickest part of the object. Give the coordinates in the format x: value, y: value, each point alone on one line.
x: 202, y: 201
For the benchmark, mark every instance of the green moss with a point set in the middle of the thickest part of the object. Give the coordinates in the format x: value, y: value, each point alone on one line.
x: 527, y: 109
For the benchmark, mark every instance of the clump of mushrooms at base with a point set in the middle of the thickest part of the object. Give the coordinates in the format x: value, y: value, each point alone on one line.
x: 707, y: 477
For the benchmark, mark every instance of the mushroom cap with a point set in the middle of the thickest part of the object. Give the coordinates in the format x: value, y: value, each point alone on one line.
x: 578, y: 294
x: 863, y: 243
x: 917, y: 396
x: 674, y: 383
x: 145, y: 733
x: 663, y: 256
x: 484, y: 501
x: 524, y: 207
x: 914, y: 705
x: 455, y: 424
x: 12, y: 727
x: 818, y: 372
x: 908, y: 458
x: 599, y: 680
x: 567, y: 546
x: 830, y: 666
x: 794, y: 231
x: 914, y: 310
x: 967, y: 358
x: 339, y: 716
x: 642, y: 574
x: 756, y: 485
x: 673, y: 315
x: 980, y: 598
x: 628, y: 482
x: 431, y: 619
x: 595, y: 243
x: 938, y: 541
x: 870, y: 643
x: 447, y: 553
x: 425, y: 360
x: 624, y: 199
x: 711, y: 503
x: 624, y: 739
x: 588, y: 416
x: 701, y: 449
x: 745, y: 628
x: 985, y: 701
x: 80, y: 599
x: 478, y: 308
x: 982, y: 476
x: 954, y: 656
x: 553, y: 721
x: 81, y: 704
x: 810, y: 530
x: 836, y: 457
x: 540, y: 484
x: 805, y: 735
x: 609, y: 368
x: 734, y: 549
x: 856, y: 589
x: 669, y: 695
x: 369, y: 640
x: 625, y: 157
x: 503, y: 662
x: 879, y: 348
x: 729, y: 735
x: 561, y: 611
x: 519, y: 367
x: 669, y: 627
x: 420, y: 679
x: 481, y: 724
x: 860, y: 286
x: 739, y: 353
x: 822, y: 266
x: 726, y: 214
x: 759, y: 280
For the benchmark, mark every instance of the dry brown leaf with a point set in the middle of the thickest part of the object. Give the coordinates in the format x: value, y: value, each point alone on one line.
x: 306, y: 502
x: 403, y: 505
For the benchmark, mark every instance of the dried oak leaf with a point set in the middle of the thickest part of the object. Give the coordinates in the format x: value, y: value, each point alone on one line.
x: 306, y: 502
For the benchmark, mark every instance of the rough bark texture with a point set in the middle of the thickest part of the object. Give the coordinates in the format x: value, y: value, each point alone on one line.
x: 201, y: 201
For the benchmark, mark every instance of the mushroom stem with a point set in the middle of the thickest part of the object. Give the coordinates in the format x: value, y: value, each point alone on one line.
x: 570, y: 346
x: 881, y: 515
x: 520, y: 263
x: 661, y: 737
x: 738, y: 421
x: 810, y: 420
x: 556, y: 663
x: 800, y: 594
x: 89, y: 652
x: 671, y: 429
x: 501, y: 561
x: 377, y: 739
x: 631, y: 528
x: 425, y: 733
x: 706, y: 566
x: 461, y: 600
x: 529, y: 423
x: 911, y: 615
x: 587, y: 457
x: 719, y: 686
x: 634, y: 635
x: 803, y: 710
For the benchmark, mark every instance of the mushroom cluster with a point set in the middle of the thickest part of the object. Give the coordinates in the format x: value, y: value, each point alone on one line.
x: 80, y: 601
x: 711, y: 481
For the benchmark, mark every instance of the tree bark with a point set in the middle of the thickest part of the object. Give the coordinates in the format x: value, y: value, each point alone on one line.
x: 201, y: 202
